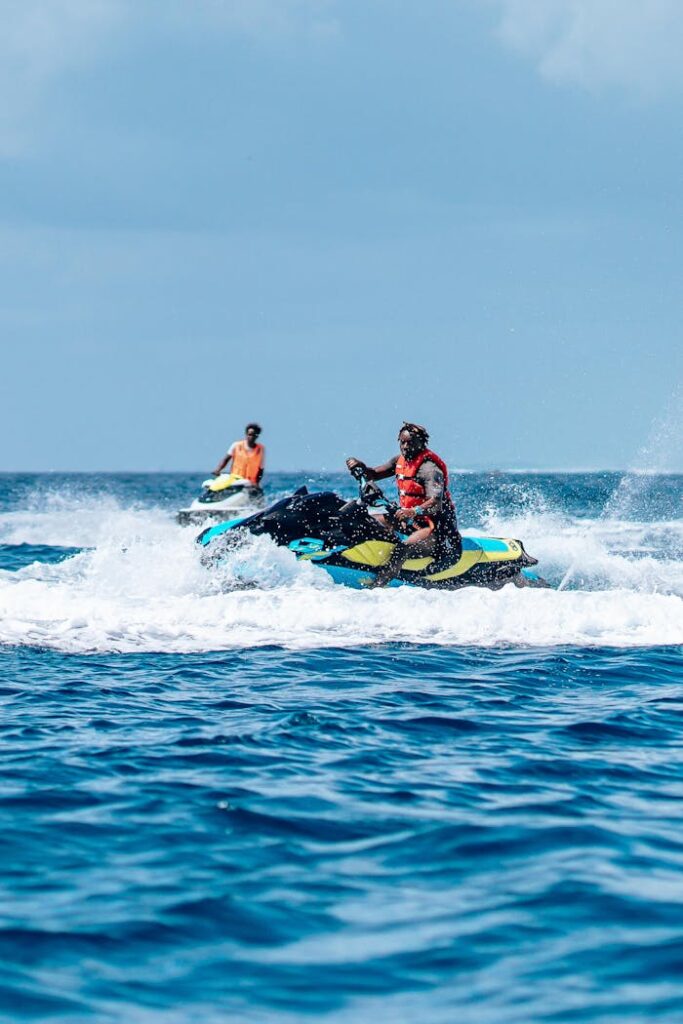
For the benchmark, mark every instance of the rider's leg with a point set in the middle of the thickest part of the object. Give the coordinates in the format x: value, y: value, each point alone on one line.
x: 418, y: 545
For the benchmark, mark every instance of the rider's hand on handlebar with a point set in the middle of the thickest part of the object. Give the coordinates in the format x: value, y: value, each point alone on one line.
x: 403, y: 515
x: 355, y: 465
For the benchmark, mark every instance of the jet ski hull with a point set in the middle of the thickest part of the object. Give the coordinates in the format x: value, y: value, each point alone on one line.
x: 351, y: 547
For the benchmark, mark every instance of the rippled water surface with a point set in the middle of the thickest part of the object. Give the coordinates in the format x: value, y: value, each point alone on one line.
x: 251, y: 795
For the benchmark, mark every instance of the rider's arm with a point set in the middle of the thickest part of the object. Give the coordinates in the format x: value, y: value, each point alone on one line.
x: 431, y: 478
x: 378, y: 473
x: 382, y: 472
x: 263, y: 466
x: 221, y: 465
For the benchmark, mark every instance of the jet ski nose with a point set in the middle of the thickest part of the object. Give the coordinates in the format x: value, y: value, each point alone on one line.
x: 527, y: 559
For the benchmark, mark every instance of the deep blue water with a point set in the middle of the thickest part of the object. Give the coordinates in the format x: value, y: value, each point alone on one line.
x: 295, y: 802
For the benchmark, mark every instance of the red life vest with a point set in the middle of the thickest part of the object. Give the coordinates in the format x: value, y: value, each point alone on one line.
x: 411, y: 493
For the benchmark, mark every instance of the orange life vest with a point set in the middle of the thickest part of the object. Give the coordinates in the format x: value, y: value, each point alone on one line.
x: 247, y: 462
x: 411, y: 493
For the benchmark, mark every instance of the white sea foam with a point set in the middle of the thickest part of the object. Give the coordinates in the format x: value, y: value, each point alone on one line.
x: 63, y: 519
x: 140, y: 586
x: 602, y: 554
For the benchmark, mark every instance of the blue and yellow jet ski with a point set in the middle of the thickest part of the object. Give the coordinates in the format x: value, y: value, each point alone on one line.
x: 348, y: 542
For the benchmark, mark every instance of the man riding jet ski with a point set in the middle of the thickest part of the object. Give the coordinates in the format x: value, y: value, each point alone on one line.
x: 355, y: 546
x: 426, y: 513
x: 248, y: 456
x: 228, y: 493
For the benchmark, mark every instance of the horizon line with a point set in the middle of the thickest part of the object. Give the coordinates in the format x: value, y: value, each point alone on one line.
x: 495, y: 470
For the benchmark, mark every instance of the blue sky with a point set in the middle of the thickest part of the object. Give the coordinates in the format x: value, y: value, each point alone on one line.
x: 331, y: 216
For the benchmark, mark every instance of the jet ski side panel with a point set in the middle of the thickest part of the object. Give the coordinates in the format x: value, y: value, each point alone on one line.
x: 357, y: 579
x: 211, y: 532
x: 472, y: 568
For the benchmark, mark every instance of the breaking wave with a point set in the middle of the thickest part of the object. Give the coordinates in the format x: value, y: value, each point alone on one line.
x: 126, y: 578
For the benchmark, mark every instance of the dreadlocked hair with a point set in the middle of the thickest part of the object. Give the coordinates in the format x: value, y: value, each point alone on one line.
x: 416, y: 430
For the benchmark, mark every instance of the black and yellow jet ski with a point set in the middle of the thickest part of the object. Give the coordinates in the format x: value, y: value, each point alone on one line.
x: 346, y: 540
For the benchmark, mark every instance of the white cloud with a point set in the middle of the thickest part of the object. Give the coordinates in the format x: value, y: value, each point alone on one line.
x: 315, y: 18
x: 632, y: 44
x: 41, y: 40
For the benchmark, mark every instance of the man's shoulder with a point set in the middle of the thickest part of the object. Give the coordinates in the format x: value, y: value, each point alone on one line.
x: 430, y: 468
x: 432, y: 459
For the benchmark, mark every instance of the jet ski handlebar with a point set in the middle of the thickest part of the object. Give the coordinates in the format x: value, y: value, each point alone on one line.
x: 369, y: 493
x: 358, y: 471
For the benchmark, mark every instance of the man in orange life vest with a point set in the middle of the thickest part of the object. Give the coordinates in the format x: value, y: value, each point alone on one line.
x: 426, y: 509
x: 248, y: 456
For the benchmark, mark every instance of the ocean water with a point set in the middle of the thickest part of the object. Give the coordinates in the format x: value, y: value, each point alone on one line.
x: 251, y: 795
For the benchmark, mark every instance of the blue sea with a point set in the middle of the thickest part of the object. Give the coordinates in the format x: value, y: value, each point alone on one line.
x: 246, y: 794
